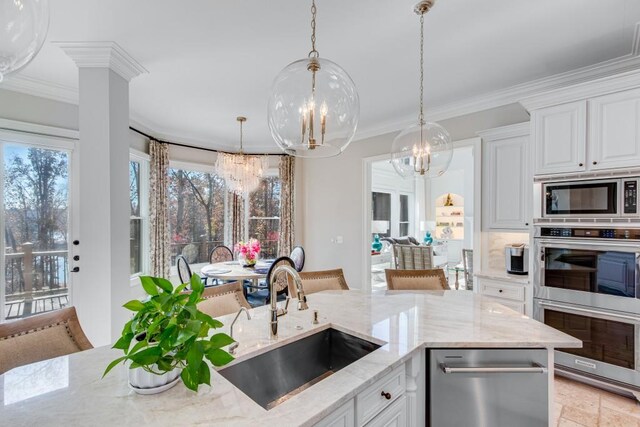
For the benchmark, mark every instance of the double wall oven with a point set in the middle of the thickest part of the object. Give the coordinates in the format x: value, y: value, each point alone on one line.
x: 587, y: 284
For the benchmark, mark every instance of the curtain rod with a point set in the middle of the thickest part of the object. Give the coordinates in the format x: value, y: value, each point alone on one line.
x: 213, y: 150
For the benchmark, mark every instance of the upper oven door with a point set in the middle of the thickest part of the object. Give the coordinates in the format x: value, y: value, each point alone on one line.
x: 583, y: 199
x: 589, y: 273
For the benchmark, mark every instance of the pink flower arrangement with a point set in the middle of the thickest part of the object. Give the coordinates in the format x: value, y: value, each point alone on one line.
x: 249, y: 250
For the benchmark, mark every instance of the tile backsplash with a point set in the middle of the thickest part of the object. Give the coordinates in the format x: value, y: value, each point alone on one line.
x: 493, y: 248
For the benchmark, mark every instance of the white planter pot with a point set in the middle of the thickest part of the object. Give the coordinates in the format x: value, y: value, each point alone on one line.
x: 144, y: 382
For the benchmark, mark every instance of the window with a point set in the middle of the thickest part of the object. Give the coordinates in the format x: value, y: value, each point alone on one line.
x: 381, y: 205
x: 264, y: 216
x: 138, y: 223
x: 196, y: 212
x: 404, y: 215
x: 36, y: 226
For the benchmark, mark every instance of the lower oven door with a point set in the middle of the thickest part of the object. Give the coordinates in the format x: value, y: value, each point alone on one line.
x: 611, y: 340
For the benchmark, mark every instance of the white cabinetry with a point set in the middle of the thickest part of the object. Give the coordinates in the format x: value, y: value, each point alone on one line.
x: 598, y: 133
x: 614, y: 134
x: 559, y: 137
x: 507, y: 178
x: 394, y: 416
x: 509, y: 294
x: 342, y: 417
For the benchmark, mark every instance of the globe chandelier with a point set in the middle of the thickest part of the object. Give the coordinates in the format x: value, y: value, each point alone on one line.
x: 423, y: 149
x: 241, y: 172
x: 313, y: 106
x: 23, y: 29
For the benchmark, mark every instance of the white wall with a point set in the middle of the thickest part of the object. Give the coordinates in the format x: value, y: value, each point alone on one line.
x: 33, y: 109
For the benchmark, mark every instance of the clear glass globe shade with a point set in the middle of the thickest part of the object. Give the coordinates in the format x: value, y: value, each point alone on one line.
x: 293, y: 111
x: 23, y: 29
x: 437, y: 151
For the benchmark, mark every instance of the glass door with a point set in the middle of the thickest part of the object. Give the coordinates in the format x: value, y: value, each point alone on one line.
x: 36, y: 219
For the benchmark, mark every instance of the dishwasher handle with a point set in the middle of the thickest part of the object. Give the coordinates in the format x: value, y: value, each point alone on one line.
x: 533, y: 369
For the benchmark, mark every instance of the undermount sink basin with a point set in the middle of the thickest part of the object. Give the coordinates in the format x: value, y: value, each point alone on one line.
x: 273, y: 377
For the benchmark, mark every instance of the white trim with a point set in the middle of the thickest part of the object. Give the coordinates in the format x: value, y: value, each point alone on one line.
x: 139, y: 155
x: 103, y: 54
x: 504, y: 132
x: 36, y: 140
x: 192, y: 166
x: 36, y: 129
x: 42, y: 88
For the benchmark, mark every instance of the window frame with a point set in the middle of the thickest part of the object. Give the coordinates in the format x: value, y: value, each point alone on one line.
x: 269, y: 173
x: 143, y: 160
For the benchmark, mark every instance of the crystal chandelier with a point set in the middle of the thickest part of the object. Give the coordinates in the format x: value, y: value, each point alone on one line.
x: 23, y: 29
x: 314, y: 106
x: 241, y: 172
x: 423, y: 149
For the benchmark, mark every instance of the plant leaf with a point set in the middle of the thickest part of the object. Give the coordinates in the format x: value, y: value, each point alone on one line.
x: 196, y: 284
x: 180, y: 288
x: 194, y: 359
x: 163, y: 284
x: 134, y: 305
x: 138, y: 346
x: 221, y: 340
x: 149, y: 285
x: 146, y: 357
x: 189, y: 382
x: 124, y: 342
x: 113, y: 364
x: 219, y: 357
x: 204, y: 374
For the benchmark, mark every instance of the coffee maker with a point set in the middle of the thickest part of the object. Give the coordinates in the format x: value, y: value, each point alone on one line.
x: 517, y: 258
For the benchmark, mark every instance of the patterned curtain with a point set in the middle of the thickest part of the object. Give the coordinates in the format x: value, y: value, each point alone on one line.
x: 236, y: 210
x: 287, y: 204
x: 158, y: 209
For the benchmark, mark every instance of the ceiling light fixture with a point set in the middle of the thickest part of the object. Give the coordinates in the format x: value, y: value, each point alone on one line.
x: 23, y: 29
x: 425, y: 148
x: 314, y: 106
x: 241, y: 172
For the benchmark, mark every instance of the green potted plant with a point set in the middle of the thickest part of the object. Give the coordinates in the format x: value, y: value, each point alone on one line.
x: 169, y: 337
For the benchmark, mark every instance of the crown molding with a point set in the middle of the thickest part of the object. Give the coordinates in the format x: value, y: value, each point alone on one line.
x: 41, y: 88
x: 504, y: 132
x: 107, y: 54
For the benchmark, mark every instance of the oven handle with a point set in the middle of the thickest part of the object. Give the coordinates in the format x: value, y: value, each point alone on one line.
x: 533, y: 369
x: 590, y: 311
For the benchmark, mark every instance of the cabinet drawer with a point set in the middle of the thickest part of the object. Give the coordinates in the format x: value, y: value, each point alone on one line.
x: 502, y: 290
x: 516, y: 306
x: 371, y: 401
x: 344, y: 416
x: 394, y: 416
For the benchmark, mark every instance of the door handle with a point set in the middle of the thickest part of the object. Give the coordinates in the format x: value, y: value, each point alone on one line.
x: 533, y: 369
x: 590, y: 311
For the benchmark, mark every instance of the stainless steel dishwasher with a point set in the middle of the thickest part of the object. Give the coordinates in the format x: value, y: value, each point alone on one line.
x: 488, y: 388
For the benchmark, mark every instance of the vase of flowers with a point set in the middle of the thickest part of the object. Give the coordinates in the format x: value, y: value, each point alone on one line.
x: 248, y: 252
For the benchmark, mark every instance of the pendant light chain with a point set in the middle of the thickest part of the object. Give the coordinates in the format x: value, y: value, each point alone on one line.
x: 421, y: 116
x: 314, y: 53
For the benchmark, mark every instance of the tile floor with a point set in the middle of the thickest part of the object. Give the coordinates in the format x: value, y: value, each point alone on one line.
x: 579, y: 405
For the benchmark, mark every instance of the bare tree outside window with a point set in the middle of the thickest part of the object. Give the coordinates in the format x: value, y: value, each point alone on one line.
x: 264, y: 215
x: 36, y: 225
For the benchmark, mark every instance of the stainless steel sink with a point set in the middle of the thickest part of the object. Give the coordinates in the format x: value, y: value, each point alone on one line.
x: 273, y: 377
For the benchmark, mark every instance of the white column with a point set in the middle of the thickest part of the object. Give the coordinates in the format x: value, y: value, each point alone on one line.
x: 102, y: 284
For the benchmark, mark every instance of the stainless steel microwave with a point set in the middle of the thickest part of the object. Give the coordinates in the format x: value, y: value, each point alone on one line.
x: 603, y: 198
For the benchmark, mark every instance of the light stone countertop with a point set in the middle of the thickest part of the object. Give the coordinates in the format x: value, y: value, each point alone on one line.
x: 69, y: 390
x: 503, y: 275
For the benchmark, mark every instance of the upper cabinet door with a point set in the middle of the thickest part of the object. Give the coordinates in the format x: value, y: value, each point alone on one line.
x: 559, y: 136
x: 614, y: 134
x: 508, y: 184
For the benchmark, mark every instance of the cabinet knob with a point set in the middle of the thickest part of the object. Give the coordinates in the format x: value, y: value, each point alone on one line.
x: 500, y: 290
x: 595, y: 163
x: 386, y: 395
x: 75, y: 269
x: 526, y: 223
x: 76, y: 242
x: 580, y: 164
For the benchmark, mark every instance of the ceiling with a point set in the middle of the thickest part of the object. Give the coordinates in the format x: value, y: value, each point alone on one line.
x: 210, y: 61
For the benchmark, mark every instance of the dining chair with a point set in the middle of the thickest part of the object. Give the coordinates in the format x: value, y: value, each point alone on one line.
x: 223, y: 299
x: 184, y: 270
x: 220, y: 253
x: 317, y: 281
x: 298, y: 256
x: 261, y: 294
x: 467, y: 263
x: 425, y: 280
x: 412, y: 257
x: 41, y: 337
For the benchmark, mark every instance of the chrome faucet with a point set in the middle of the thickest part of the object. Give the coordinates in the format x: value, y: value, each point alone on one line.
x: 232, y: 347
x: 277, y: 312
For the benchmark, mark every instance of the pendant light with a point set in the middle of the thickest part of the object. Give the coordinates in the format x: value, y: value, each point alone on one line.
x: 23, y: 29
x: 425, y: 148
x: 241, y: 172
x: 313, y: 107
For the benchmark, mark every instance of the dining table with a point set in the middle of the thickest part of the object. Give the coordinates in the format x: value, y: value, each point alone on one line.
x: 232, y: 270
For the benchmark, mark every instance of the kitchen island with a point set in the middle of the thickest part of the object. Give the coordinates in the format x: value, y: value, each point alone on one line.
x: 69, y: 390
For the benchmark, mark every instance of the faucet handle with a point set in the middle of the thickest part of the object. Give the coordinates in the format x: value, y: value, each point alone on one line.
x: 286, y: 304
x: 283, y: 311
